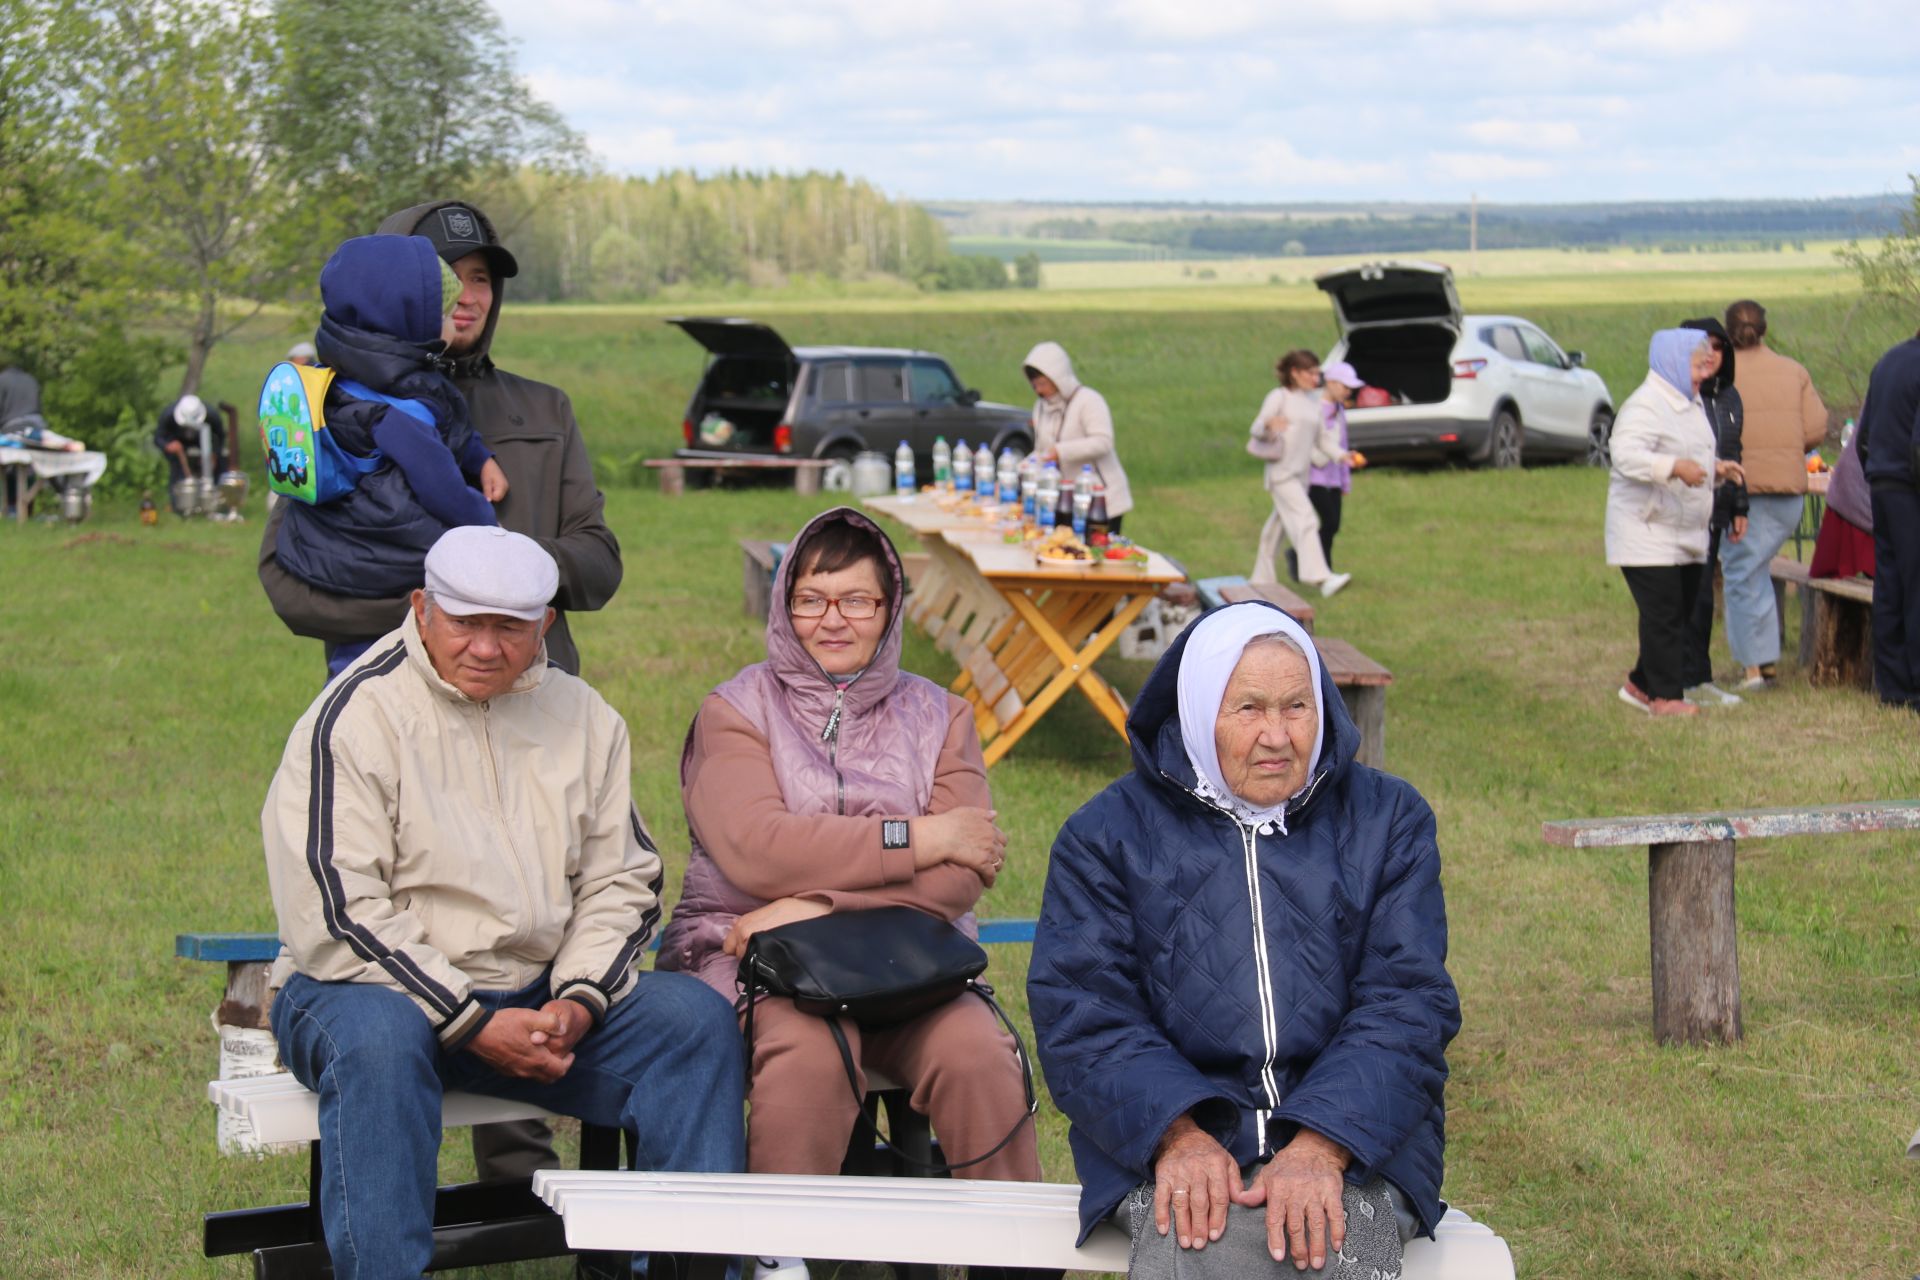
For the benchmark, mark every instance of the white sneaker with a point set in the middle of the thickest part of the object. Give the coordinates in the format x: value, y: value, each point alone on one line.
x: 779, y: 1269
x: 1332, y: 585
x: 1712, y: 695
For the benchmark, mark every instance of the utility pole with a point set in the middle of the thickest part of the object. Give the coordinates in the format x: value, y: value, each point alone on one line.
x: 1473, y: 234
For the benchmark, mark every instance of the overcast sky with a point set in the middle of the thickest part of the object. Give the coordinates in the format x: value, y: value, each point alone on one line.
x: 1247, y: 100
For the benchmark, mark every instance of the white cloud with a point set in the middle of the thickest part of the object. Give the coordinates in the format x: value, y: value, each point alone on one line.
x: 1526, y: 135
x: 1485, y: 166
x: 1688, y: 28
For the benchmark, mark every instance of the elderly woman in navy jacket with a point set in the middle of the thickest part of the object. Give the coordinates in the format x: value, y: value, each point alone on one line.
x: 1239, y: 983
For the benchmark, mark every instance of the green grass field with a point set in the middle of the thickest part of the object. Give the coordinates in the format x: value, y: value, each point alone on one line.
x: 147, y: 690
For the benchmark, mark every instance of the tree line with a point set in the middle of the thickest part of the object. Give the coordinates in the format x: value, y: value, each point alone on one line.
x: 168, y: 168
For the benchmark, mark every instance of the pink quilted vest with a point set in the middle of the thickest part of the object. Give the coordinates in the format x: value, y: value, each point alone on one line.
x: 868, y: 747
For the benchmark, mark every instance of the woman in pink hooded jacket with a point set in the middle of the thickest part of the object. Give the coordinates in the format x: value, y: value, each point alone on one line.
x: 823, y: 780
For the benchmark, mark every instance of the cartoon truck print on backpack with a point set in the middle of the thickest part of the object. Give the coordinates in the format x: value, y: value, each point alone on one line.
x: 286, y: 462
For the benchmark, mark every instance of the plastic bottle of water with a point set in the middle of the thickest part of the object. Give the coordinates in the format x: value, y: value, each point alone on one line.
x: 1082, y: 499
x: 1046, y: 496
x: 942, y: 463
x: 962, y: 468
x: 1029, y: 472
x: 1008, y: 476
x: 903, y: 476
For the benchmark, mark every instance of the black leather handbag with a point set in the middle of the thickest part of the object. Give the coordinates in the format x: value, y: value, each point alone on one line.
x: 880, y: 968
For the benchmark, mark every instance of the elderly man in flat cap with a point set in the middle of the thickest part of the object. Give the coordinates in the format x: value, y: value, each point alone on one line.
x: 463, y: 889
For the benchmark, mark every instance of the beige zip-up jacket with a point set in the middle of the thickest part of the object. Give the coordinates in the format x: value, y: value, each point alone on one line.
x: 435, y: 845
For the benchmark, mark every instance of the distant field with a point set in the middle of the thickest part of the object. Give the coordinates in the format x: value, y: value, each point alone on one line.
x: 1183, y: 366
x: 1496, y: 264
x: 1011, y: 247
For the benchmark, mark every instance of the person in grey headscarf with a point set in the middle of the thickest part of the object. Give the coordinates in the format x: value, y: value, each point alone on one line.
x: 1658, y: 507
x: 1239, y: 985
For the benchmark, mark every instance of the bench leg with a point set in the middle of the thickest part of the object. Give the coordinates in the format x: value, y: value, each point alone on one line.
x: 1696, y: 963
x: 806, y: 480
x: 1367, y: 704
x: 673, y: 481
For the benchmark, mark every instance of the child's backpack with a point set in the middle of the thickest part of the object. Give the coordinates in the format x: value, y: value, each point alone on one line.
x: 304, y: 462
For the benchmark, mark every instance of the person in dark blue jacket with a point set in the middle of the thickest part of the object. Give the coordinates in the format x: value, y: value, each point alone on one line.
x: 1889, y: 438
x: 386, y: 298
x: 1239, y: 985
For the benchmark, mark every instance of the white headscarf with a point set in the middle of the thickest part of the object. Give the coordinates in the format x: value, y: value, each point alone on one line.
x: 1206, y: 665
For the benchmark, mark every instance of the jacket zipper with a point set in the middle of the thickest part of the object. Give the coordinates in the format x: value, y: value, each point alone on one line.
x: 831, y: 736
x: 1269, y: 1031
x: 506, y: 831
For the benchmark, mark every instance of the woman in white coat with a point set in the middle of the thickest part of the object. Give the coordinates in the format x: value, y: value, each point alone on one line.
x: 1287, y: 434
x: 1658, y: 506
x: 1073, y: 427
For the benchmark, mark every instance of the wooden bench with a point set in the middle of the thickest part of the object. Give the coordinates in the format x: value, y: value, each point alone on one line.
x: 1362, y: 683
x: 673, y: 471
x: 1836, y: 624
x: 474, y: 1223
x: 1696, y: 966
x: 1285, y: 598
x: 913, y: 1220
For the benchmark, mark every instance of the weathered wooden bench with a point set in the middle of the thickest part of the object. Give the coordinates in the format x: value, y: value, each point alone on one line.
x: 1285, y: 598
x: 1696, y: 965
x: 912, y: 1220
x: 1836, y: 624
x: 673, y: 471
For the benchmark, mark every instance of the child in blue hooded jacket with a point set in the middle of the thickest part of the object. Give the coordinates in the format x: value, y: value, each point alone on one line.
x: 385, y: 299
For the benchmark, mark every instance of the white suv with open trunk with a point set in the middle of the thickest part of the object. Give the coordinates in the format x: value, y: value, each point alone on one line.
x: 1489, y: 389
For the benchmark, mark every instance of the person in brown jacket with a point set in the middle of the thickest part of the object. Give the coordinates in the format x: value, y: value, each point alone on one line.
x: 1784, y: 419
x: 553, y: 500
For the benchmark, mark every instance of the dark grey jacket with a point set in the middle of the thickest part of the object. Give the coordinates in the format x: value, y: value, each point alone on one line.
x: 552, y: 497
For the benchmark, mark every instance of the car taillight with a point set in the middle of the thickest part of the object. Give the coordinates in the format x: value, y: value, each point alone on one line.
x: 1451, y: 437
x: 1468, y: 368
x: 686, y: 429
x: 783, y: 439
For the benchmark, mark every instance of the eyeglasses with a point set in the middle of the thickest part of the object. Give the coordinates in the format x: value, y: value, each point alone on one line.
x: 852, y: 608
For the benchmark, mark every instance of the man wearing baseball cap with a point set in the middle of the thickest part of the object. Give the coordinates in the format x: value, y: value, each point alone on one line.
x: 528, y: 425
x: 463, y: 888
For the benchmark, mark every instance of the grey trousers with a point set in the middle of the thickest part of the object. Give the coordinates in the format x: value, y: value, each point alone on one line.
x: 1378, y: 1226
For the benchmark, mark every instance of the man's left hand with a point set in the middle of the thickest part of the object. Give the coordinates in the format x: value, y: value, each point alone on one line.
x: 772, y: 916
x: 564, y: 1022
x: 1302, y: 1189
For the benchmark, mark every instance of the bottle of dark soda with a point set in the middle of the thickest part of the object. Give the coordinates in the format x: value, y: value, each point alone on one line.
x: 1063, y: 506
x: 1097, y: 533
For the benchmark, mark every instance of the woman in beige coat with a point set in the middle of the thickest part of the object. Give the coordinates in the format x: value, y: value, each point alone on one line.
x: 1784, y: 419
x: 1287, y: 433
x: 1073, y: 427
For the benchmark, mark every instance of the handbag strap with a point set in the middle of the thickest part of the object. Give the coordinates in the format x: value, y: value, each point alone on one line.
x: 985, y: 992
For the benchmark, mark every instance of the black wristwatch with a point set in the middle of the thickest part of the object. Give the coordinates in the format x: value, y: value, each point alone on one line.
x: 895, y: 833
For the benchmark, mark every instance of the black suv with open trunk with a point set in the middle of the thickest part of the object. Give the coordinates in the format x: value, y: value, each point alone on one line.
x: 760, y: 396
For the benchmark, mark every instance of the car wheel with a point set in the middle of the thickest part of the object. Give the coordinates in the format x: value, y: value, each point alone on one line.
x: 1600, y: 439
x: 837, y: 475
x: 1503, y: 441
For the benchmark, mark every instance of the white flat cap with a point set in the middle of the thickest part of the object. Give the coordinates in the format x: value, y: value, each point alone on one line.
x: 484, y: 569
x: 300, y: 349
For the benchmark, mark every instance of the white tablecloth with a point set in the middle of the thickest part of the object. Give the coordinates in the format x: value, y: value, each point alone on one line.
x: 47, y: 464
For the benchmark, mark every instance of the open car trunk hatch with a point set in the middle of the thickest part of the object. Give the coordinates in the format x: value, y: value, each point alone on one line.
x: 1392, y: 293
x: 1411, y: 362
x: 730, y: 336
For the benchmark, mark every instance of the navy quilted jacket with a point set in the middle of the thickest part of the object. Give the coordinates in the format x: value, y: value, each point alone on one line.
x: 1264, y: 982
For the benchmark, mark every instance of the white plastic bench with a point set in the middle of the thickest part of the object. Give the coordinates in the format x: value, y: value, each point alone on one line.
x: 910, y: 1220
x: 281, y: 1109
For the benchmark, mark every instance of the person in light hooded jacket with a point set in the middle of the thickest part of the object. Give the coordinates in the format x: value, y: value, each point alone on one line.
x: 1659, y: 504
x: 1239, y: 984
x: 1073, y: 426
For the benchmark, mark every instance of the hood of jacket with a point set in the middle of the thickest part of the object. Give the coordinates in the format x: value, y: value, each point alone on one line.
x: 1051, y: 359
x: 406, y: 223
x: 1721, y: 380
x: 809, y: 691
x: 384, y: 298
x: 1160, y: 753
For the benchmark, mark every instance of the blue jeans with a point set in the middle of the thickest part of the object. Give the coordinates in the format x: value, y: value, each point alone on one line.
x: 342, y: 656
x: 665, y: 1066
x: 1753, y: 624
